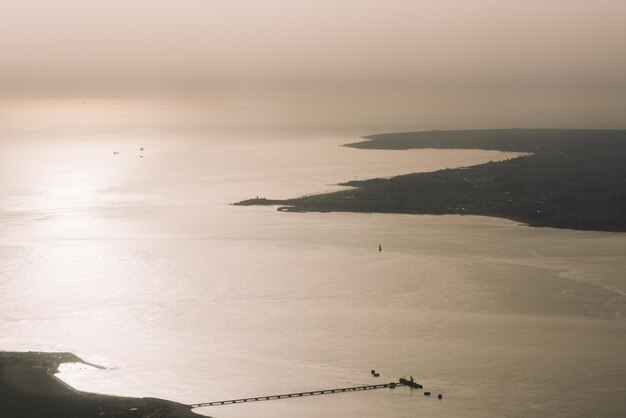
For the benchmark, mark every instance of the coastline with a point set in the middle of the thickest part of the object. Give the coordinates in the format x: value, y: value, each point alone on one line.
x: 569, y: 179
x: 29, y: 389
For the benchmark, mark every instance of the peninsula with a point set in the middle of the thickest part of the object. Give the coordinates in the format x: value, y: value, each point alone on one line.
x: 29, y: 389
x: 573, y: 179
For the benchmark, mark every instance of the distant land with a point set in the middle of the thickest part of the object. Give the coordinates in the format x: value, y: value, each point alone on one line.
x: 29, y: 389
x: 573, y: 179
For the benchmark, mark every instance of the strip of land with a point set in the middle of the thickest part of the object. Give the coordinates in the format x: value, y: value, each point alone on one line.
x: 29, y: 389
x: 573, y: 179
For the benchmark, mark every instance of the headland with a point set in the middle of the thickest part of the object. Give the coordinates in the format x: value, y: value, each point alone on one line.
x: 569, y: 178
x: 29, y: 389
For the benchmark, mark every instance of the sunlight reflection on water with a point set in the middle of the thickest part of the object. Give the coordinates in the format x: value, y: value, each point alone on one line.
x: 143, y: 266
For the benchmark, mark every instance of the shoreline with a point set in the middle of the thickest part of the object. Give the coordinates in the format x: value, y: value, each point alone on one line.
x: 30, y: 389
x: 568, y: 179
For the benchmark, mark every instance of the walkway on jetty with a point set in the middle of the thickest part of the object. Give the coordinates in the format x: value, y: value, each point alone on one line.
x: 297, y: 394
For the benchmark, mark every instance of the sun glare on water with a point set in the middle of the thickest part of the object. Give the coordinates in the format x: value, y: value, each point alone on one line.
x: 69, y: 187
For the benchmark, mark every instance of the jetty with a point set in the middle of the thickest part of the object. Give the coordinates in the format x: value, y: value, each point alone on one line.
x: 410, y: 383
x: 390, y: 385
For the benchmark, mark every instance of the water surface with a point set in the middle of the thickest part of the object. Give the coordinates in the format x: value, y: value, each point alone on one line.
x: 143, y: 266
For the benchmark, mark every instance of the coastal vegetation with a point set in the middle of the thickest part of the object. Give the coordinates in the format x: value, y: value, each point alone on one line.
x: 567, y: 179
x: 28, y: 388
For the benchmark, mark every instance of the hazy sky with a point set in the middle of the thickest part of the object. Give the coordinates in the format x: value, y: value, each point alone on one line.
x: 91, y: 45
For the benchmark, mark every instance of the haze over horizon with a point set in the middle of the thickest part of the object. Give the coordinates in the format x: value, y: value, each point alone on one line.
x: 566, y: 57
x: 150, y: 154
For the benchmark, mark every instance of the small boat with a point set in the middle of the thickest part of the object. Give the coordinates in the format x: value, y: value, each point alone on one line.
x: 380, y: 248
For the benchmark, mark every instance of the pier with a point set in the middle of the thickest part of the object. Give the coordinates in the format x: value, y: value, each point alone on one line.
x: 390, y: 385
x: 410, y: 383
